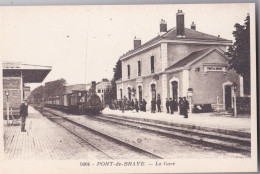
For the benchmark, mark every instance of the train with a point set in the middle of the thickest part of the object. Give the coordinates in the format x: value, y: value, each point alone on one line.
x: 77, y: 102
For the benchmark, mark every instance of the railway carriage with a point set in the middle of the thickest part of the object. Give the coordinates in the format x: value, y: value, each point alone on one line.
x: 77, y: 102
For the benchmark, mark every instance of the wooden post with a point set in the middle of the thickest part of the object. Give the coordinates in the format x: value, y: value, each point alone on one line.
x: 190, y: 104
x: 218, y: 103
x: 7, y: 110
x: 235, y: 105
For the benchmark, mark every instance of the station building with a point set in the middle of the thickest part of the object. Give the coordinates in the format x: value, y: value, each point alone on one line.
x: 15, y: 77
x: 180, y: 62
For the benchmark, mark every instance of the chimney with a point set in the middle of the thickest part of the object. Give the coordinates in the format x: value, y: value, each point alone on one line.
x: 163, y: 27
x: 180, y: 24
x: 193, y: 26
x: 137, y: 43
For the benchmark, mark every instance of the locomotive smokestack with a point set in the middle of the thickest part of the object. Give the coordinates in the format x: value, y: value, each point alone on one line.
x: 94, y: 86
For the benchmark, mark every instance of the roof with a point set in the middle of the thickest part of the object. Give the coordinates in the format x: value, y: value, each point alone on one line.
x: 191, y: 57
x: 190, y: 34
x: 30, y: 73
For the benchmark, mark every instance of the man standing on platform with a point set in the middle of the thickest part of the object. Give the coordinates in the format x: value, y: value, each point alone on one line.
x: 153, y: 105
x: 158, y: 104
x: 23, y: 114
x: 185, y: 107
x: 171, y: 106
x: 144, y: 105
x: 167, y: 105
x: 136, y: 105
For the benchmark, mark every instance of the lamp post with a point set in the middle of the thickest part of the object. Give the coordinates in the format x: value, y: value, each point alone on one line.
x: 7, y: 105
x: 235, y: 99
x: 189, y: 94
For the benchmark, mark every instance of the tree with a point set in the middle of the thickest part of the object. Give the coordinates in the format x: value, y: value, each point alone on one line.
x: 117, y: 76
x: 239, y: 53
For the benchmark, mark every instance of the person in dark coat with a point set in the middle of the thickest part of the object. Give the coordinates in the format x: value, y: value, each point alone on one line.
x: 158, y: 104
x: 171, y: 106
x: 167, y: 105
x: 132, y: 104
x: 23, y: 114
x: 185, y: 107
x: 144, y: 105
x: 136, y: 105
x: 153, y: 105
x: 181, y: 105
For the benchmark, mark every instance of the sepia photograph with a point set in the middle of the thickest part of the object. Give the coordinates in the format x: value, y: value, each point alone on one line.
x: 128, y: 88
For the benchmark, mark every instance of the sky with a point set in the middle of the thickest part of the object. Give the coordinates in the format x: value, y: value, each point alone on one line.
x: 83, y: 43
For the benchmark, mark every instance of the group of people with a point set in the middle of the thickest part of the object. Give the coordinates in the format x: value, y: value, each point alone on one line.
x: 126, y: 104
x: 171, y: 105
x: 183, y: 104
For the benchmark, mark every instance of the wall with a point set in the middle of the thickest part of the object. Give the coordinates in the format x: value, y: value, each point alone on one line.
x: 206, y: 87
x: 178, y: 51
x: 13, y: 84
x: 145, y: 63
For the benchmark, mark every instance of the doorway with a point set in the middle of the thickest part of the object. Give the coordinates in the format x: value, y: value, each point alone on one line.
x: 228, y: 97
x: 129, y: 93
x: 153, y: 90
x: 175, y: 93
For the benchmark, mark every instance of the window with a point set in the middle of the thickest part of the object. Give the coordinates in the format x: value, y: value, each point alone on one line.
x: 139, y: 68
x: 128, y: 71
x: 152, y: 64
x: 99, y: 90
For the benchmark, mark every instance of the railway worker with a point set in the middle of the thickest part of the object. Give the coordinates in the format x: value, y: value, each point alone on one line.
x: 136, y: 105
x: 181, y: 105
x: 158, y: 104
x: 167, y: 105
x: 153, y: 105
x: 132, y: 104
x: 171, y: 106
x: 185, y: 107
x: 23, y: 114
x: 144, y: 105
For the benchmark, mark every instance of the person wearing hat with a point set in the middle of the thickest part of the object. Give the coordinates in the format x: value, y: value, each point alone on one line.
x: 185, y: 107
x: 23, y: 114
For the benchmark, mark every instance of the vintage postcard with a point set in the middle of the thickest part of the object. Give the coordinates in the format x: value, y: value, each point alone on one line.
x: 128, y: 88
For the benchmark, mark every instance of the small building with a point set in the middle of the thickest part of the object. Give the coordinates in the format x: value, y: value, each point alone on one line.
x: 180, y: 62
x: 102, y: 87
x: 15, y: 76
x: 77, y: 87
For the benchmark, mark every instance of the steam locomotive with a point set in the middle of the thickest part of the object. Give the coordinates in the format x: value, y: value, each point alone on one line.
x: 77, y: 102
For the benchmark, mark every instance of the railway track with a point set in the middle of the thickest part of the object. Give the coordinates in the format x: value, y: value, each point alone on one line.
x: 221, y: 141
x: 110, y: 146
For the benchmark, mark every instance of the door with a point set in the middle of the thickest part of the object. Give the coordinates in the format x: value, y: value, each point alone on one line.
x: 228, y: 97
x: 175, y: 93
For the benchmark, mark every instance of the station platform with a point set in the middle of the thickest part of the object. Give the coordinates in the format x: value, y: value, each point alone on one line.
x: 43, y: 140
x: 205, y: 120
